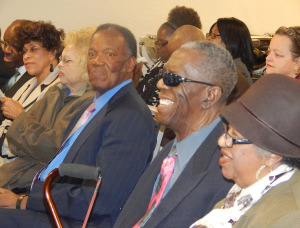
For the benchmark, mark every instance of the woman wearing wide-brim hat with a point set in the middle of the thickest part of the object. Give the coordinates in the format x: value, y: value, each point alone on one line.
x: 261, y: 154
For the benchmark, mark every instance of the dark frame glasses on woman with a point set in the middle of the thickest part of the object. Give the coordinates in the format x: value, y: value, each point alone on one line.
x: 171, y: 79
x: 229, y: 141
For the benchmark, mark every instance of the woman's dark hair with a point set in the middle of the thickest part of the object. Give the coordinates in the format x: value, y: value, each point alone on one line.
x: 181, y: 15
x: 236, y: 36
x: 43, y: 32
x: 294, y: 34
x: 293, y: 162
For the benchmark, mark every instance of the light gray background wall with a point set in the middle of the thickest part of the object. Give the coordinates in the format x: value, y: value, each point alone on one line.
x: 145, y: 16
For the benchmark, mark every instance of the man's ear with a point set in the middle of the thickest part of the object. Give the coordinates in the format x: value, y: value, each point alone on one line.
x: 213, y: 95
x: 130, y: 64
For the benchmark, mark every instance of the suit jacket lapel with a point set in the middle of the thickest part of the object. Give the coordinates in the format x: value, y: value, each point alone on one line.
x: 191, y: 176
x: 94, y: 123
x: 86, y: 132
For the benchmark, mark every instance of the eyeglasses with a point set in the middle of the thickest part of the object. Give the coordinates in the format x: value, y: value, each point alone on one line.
x: 65, y: 60
x: 229, y: 141
x: 32, y: 49
x: 5, y: 44
x: 160, y: 44
x: 171, y: 79
x: 212, y: 35
x: 291, y: 32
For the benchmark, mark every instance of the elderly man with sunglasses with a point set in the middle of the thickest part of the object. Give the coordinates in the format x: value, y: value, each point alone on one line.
x: 184, y: 180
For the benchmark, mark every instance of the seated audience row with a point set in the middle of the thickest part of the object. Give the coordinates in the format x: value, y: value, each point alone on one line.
x: 36, y: 135
x: 116, y: 130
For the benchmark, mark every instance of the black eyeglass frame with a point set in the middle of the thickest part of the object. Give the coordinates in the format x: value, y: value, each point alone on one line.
x: 5, y: 44
x: 212, y: 35
x: 233, y: 140
x: 173, y: 80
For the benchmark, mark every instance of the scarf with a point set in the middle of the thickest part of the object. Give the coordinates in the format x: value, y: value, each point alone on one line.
x: 238, y: 200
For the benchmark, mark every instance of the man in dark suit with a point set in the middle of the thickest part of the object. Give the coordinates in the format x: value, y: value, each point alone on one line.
x: 5, y: 73
x: 13, y: 58
x: 119, y: 137
x: 14, y: 61
x: 197, y: 80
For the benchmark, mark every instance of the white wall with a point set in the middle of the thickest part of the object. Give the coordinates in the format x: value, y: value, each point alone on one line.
x: 145, y: 16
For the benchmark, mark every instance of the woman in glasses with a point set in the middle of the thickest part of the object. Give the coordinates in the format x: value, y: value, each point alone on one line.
x: 178, y: 16
x: 46, y: 124
x: 261, y: 154
x: 284, y: 52
x: 233, y: 34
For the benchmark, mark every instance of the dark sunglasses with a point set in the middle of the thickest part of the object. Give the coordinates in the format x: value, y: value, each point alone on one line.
x: 171, y: 79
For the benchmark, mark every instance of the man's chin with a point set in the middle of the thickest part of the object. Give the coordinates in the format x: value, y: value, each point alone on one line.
x: 10, y: 65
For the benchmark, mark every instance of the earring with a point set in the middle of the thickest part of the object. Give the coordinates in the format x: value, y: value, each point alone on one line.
x: 259, y: 171
x: 51, y: 67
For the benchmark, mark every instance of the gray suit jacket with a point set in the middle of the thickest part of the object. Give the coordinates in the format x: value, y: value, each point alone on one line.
x: 193, y: 195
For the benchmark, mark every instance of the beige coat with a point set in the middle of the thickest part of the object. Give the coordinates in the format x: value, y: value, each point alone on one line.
x: 278, y: 208
x: 36, y: 135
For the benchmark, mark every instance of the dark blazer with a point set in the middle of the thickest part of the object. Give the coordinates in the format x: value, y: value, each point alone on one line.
x: 120, y: 139
x: 5, y: 73
x: 193, y: 195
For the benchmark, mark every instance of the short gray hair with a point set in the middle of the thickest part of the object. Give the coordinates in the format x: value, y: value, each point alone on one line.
x: 216, y: 65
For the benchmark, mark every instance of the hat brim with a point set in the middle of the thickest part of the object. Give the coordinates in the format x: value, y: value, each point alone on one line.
x: 251, y: 128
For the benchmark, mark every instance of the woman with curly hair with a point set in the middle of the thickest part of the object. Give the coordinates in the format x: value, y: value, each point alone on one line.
x: 178, y: 16
x: 41, y: 45
x: 284, y: 52
x: 47, y: 121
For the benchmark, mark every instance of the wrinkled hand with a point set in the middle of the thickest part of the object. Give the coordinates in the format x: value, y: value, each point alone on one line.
x: 10, y: 108
x: 8, y: 199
